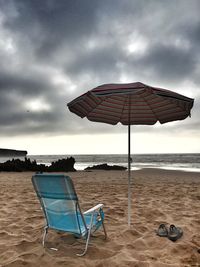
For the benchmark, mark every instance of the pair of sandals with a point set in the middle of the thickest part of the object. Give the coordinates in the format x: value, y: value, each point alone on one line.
x: 173, y: 233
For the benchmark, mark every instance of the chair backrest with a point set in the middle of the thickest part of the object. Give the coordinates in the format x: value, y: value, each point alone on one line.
x: 59, y: 201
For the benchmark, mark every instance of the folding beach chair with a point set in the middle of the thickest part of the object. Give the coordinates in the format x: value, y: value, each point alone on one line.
x: 61, y: 208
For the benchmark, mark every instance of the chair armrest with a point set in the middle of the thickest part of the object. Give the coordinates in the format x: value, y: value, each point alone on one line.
x: 97, y: 207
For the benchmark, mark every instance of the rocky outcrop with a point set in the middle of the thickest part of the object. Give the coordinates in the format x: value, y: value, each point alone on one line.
x: 106, y: 167
x: 17, y: 165
x: 62, y: 165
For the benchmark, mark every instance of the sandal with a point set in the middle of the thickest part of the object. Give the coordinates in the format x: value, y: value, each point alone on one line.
x: 174, y: 233
x: 162, y: 230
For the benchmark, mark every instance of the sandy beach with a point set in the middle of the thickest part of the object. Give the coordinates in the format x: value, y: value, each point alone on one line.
x: 158, y: 196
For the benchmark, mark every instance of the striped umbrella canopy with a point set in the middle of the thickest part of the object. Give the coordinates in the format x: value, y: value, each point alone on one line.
x: 131, y: 104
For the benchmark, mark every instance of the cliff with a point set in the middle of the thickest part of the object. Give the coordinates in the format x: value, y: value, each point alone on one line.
x: 12, y: 153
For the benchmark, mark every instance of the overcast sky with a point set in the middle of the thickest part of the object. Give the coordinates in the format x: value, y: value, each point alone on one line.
x: 52, y: 51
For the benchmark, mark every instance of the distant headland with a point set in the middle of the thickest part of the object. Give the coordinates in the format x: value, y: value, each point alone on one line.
x: 12, y: 153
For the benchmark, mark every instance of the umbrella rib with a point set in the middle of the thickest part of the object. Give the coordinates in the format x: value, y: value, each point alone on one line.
x: 150, y: 108
x: 124, y: 104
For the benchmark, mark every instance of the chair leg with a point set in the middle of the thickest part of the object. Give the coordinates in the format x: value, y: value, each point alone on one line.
x: 44, y: 235
x: 103, y: 225
x: 89, y: 234
x: 88, y: 238
x: 104, y: 229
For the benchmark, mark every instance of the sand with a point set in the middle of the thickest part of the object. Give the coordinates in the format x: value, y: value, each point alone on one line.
x: 158, y: 196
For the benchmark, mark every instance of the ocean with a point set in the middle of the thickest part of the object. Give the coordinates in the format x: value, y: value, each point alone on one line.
x: 184, y: 162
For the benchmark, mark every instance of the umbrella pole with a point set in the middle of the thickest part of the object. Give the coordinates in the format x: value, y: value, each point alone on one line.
x: 129, y: 175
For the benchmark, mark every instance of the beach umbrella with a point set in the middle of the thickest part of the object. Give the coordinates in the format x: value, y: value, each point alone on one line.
x: 131, y: 104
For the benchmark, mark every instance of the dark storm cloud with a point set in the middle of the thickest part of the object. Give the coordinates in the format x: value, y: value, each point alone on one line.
x: 167, y: 62
x: 96, y: 62
x: 52, y: 51
x: 46, y: 25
